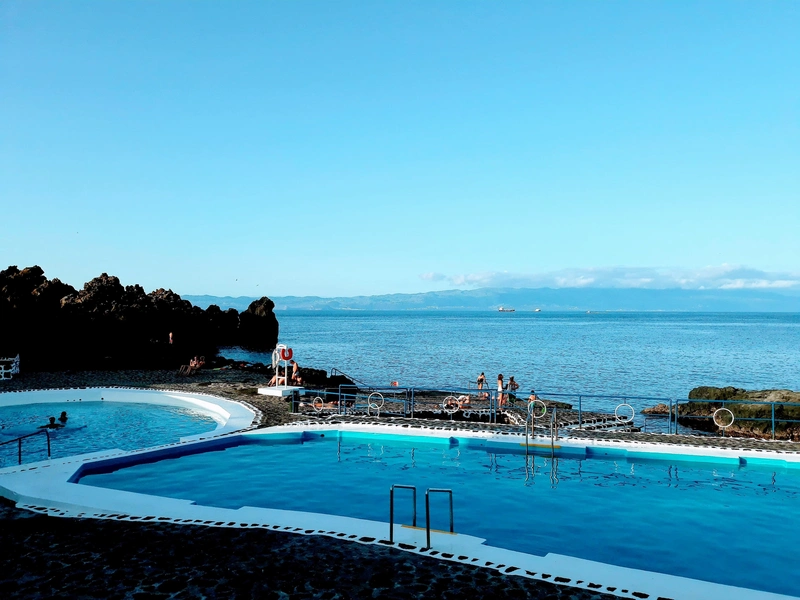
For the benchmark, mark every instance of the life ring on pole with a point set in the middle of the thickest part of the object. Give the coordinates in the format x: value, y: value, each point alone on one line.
x: 286, y: 354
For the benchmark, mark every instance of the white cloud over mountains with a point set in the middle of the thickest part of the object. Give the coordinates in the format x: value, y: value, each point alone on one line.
x: 723, y: 277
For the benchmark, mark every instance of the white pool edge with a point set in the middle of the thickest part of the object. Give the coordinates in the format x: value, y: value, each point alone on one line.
x: 45, y: 487
x: 229, y: 415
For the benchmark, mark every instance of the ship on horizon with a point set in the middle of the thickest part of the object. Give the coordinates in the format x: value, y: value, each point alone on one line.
x: 501, y: 309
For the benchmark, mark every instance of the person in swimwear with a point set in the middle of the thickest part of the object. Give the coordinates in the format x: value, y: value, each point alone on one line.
x: 501, y: 397
x: 481, y: 383
x: 513, y: 386
x: 51, y: 425
x: 296, y: 379
x: 63, y: 418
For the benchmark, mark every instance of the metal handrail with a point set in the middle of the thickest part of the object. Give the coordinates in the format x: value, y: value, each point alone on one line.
x: 428, y: 492
x: 391, y: 507
x: 772, y: 418
x: 553, y: 428
x: 335, y: 371
x: 27, y: 435
x: 411, y: 403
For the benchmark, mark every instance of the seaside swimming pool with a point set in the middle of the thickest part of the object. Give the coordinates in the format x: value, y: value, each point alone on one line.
x: 109, y: 418
x: 727, y: 520
x: 95, y: 426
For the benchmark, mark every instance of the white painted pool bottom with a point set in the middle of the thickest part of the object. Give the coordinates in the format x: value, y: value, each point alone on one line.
x: 45, y: 487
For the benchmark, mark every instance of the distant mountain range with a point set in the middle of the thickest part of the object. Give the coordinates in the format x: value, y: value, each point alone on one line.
x: 546, y: 299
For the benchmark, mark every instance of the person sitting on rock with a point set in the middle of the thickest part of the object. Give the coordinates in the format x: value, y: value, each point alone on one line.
x: 51, y: 425
x: 278, y: 378
x: 296, y: 379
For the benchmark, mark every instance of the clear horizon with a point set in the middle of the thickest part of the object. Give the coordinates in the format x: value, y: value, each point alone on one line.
x: 318, y: 149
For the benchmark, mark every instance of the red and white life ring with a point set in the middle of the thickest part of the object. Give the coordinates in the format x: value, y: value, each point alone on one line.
x: 286, y: 353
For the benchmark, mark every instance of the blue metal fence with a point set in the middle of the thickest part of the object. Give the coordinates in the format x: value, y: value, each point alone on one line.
x: 407, y: 401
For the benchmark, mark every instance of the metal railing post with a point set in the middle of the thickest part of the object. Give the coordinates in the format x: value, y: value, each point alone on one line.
x: 773, y: 420
x: 669, y: 421
x: 47, y: 433
x: 427, y: 520
x: 391, y: 514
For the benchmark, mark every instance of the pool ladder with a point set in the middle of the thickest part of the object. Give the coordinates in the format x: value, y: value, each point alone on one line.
x: 19, y: 439
x: 428, y: 493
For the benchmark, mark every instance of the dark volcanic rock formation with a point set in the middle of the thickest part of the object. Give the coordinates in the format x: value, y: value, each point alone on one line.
x: 753, y: 418
x: 53, y: 326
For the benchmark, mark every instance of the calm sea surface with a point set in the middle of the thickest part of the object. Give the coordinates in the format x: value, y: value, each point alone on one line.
x: 643, y: 354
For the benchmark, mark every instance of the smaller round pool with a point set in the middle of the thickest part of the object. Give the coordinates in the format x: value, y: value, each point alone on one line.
x: 95, y: 425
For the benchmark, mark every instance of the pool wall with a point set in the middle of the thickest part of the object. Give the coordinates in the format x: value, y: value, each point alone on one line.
x: 230, y: 416
x: 50, y: 488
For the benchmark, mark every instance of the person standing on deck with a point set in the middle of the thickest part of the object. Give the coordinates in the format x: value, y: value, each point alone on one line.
x: 513, y: 386
x: 481, y: 383
x: 501, y: 397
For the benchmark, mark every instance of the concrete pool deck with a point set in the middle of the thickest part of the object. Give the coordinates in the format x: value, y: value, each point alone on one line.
x: 46, y: 488
x: 221, y: 526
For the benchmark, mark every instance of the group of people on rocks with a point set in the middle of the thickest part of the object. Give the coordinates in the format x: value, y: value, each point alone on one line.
x: 506, y: 391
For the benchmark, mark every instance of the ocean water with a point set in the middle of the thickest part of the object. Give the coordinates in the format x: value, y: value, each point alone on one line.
x: 641, y: 354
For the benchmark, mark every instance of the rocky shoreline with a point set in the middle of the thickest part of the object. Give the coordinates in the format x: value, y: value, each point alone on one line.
x: 750, y: 420
x: 86, y: 558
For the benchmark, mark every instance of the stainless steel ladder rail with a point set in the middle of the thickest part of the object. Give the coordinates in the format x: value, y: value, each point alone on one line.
x: 22, y: 437
x: 391, y: 507
x: 428, y: 493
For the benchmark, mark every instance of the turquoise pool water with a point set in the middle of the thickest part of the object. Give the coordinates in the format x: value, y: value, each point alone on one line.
x: 719, y: 522
x: 95, y: 426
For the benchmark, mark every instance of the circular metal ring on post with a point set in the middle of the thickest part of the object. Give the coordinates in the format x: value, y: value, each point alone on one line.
x: 375, y: 404
x: 318, y: 404
x: 624, y: 419
x: 451, y: 405
x: 723, y: 410
x: 534, y: 410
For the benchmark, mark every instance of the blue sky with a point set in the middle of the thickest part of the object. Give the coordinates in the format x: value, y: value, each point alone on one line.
x: 343, y: 148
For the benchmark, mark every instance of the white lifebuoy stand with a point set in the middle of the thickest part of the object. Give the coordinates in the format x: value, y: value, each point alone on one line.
x: 281, y: 353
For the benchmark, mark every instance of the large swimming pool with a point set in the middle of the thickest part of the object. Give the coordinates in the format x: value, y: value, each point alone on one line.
x: 722, y: 521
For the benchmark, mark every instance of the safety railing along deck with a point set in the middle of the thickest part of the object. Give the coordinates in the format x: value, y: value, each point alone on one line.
x: 607, y: 412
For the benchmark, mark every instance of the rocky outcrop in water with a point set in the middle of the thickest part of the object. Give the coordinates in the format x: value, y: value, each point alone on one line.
x: 107, y: 325
x: 750, y: 420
